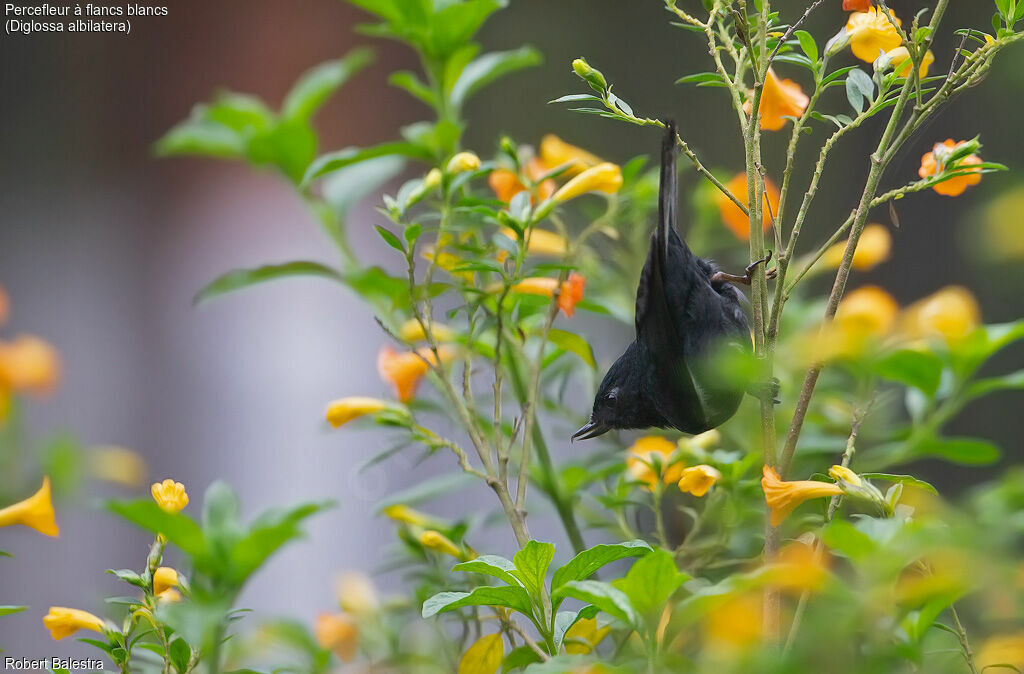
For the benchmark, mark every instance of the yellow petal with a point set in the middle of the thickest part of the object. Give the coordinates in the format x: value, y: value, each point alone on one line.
x: 344, y: 410
x: 463, y: 161
x: 554, y: 152
x: 35, y: 512
x: 871, y: 34
x: 63, y: 622
x: 604, y: 177
x: 697, y: 480
x: 338, y: 633
x: 170, y: 495
x: 164, y: 578
x: 873, y: 248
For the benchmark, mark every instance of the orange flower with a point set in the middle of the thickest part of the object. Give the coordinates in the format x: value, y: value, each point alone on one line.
x: 569, y: 293
x: 954, y: 187
x: 733, y: 217
x: 779, y: 99
x: 856, y: 5
x: 783, y: 497
x: 338, y: 633
x: 871, y: 34
x: 5, y: 306
x: 403, y: 370
x: 554, y: 152
x: 29, y: 364
x: 506, y: 184
x: 646, y: 454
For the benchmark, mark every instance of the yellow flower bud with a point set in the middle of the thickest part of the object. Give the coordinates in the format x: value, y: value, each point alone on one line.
x: 63, y: 622
x: 435, y: 540
x: 169, y: 595
x: 432, y: 179
x: 356, y: 593
x: 344, y: 410
x: 555, y: 152
x: 605, y: 177
x: 406, y: 515
x: 844, y: 474
x: 164, y: 578
x: 170, y: 495
x: 593, y: 76
x: 338, y: 633
x: 542, y: 242
x: 706, y: 440
x: 35, y: 512
x: 412, y: 331
x: 463, y: 161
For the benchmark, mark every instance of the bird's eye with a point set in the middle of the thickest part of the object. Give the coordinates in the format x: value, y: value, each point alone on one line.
x: 613, y: 394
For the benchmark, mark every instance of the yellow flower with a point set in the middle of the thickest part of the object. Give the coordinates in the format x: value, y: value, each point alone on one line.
x: 35, y: 512
x: 604, y: 177
x: 554, y: 152
x: 1002, y: 649
x: 118, y: 465
x: 569, y: 292
x: 170, y: 595
x: 871, y: 34
x: 697, y: 480
x: 869, y: 310
x: 337, y: 632
x: 435, y: 540
x: 412, y: 331
x: 844, y: 474
x: 932, y: 165
x: 779, y: 99
x: 873, y: 248
x: 463, y: 161
x: 705, y: 440
x: 734, y: 624
x: 783, y: 497
x: 406, y: 515
x: 506, y: 184
x: 733, y: 217
x: 900, y: 56
x: 29, y: 364
x: 952, y: 313
x: 542, y: 242
x: 356, y: 593
x: 164, y: 578
x: 584, y: 636
x: 797, y: 567
x: 344, y: 410
x: 170, y: 495
x: 403, y: 370
x: 63, y: 622
x: 647, y: 454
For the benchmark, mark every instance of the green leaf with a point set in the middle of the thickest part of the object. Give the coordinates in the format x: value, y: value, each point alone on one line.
x: 564, y: 620
x: 408, y: 81
x: 807, y: 44
x: 1013, y: 381
x: 456, y: 24
x: 490, y: 565
x: 333, y: 161
x: 346, y: 187
x: 859, y: 87
x: 845, y: 538
x: 390, y: 239
x: 484, y: 656
x: 8, y: 610
x: 966, y: 451
x: 901, y: 479
x: 605, y: 597
x: 584, y: 564
x: 128, y: 576
x: 320, y: 82
x: 919, y: 369
x: 220, y: 518
x: 290, y: 146
x: 197, y: 137
x: 238, y: 279
x: 515, y: 598
x: 180, y: 653
x: 532, y: 563
x: 573, y: 343
x: 519, y: 658
x: 178, y: 528
x: 267, y: 534
x: 490, y: 67
x: 651, y: 581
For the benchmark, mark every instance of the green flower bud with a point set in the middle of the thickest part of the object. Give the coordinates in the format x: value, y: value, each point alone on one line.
x: 592, y: 76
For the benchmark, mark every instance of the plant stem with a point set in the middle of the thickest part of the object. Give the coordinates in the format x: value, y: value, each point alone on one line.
x: 964, y: 644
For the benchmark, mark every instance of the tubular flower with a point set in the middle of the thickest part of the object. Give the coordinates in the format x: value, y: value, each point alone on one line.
x: 406, y: 515
x: 584, y: 636
x: 63, y: 622
x: 412, y: 331
x: 697, y: 480
x: 462, y: 162
x: 542, y: 242
x: 164, y: 578
x: 779, y: 99
x: 605, y: 177
x: 899, y: 59
x: 338, y: 633
x: 403, y: 370
x: 29, y: 364
x: 356, y: 593
x: 35, y: 512
x: 952, y: 313
x: 554, y: 152
x: 871, y: 33
x: 506, y: 184
x: 931, y: 165
x: 170, y: 495
x: 435, y: 540
x: 118, y: 465
x: 844, y: 474
x: 856, y: 5
x: 873, y: 248
x: 344, y: 410
x: 569, y: 292
x: 651, y: 453
x: 783, y: 497
x: 733, y: 217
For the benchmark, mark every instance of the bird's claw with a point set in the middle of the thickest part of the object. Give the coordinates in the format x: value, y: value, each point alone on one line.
x: 748, y: 273
x: 767, y: 390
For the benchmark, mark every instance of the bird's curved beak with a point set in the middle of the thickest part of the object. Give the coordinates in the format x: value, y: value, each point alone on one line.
x: 591, y: 430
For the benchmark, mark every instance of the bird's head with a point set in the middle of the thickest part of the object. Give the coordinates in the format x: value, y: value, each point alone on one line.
x: 621, y: 401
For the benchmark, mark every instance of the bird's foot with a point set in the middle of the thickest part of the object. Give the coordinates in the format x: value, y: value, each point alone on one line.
x: 766, y: 390
x: 748, y: 273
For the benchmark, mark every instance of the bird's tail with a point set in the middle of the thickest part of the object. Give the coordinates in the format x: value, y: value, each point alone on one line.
x: 669, y: 188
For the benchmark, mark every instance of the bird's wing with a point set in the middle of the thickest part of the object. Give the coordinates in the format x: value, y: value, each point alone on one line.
x: 677, y: 396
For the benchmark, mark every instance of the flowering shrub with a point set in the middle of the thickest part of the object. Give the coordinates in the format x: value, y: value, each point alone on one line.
x: 791, y: 539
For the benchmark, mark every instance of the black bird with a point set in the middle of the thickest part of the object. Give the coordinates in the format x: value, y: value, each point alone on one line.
x: 686, y: 308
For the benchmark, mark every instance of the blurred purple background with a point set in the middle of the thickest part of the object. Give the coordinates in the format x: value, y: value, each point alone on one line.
x: 102, y: 248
